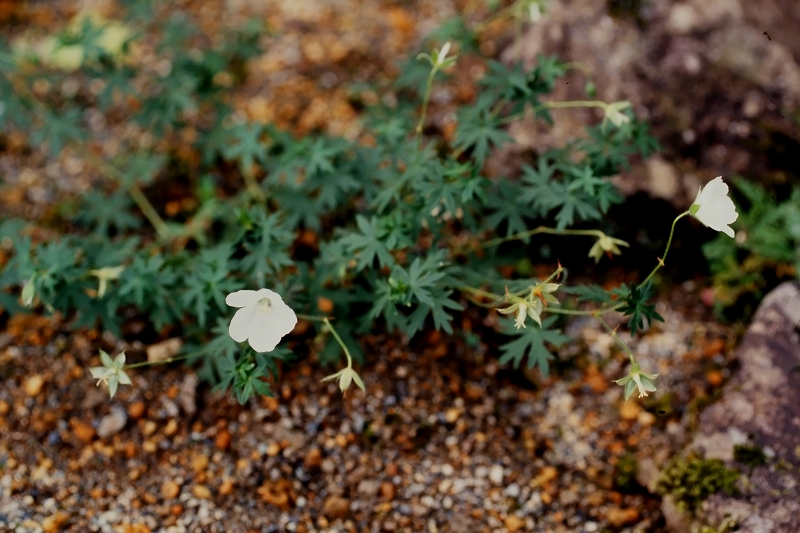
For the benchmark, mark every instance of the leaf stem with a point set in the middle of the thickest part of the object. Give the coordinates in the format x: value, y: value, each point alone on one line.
x: 543, y: 229
x: 135, y: 193
x: 557, y: 105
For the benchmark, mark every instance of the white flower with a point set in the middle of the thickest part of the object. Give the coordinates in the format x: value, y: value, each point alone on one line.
x: 263, y: 319
x: 346, y: 376
x: 636, y: 379
x: 104, y: 274
x: 111, y: 372
x: 440, y: 60
x: 442, y: 54
x: 614, y: 114
x: 526, y: 308
x: 714, y: 208
x: 606, y: 244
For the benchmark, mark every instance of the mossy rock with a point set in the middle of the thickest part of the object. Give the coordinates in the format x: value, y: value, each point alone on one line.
x: 690, y: 480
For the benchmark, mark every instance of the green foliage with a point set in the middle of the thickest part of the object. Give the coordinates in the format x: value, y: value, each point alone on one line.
x: 636, y: 306
x: 625, y: 473
x: 530, y: 343
x: 749, y: 455
x: 767, y: 242
x: 689, y: 481
x: 372, y: 227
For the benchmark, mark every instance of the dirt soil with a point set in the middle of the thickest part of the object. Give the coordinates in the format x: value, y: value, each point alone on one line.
x: 444, y: 439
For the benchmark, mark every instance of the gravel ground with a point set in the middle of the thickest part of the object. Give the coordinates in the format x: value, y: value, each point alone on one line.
x: 444, y: 439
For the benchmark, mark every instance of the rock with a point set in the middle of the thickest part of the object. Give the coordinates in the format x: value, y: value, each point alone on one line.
x: 313, y: 459
x: 187, y: 396
x: 170, y: 490
x: 630, y: 409
x: 514, y: 523
x: 496, y: 474
x: 112, y: 423
x: 136, y: 410
x: 622, y: 517
x: 647, y: 474
x: 336, y: 507
x: 54, y: 522
x: 702, y: 15
x: 368, y: 488
x: 82, y: 431
x: 762, y: 401
x: 201, y: 492
x: 663, y: 178
x: 226, y: 487
x: 164, y: 350
x: 388, y: 490
x: 33, y: 385
x: 199, y: 462
x: 223, y: 440
x: 706, y: 47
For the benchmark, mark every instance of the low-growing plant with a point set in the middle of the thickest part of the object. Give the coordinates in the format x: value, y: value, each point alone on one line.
x: 397, y: 229
x: 767, y: 247
x: 690, y: 480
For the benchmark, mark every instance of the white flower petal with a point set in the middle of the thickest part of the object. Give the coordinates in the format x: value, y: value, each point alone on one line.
x: 243, y: 298
x: 264, y: 339
x: 714, y: 208
x: 242, y: 323
x: 283, y: 319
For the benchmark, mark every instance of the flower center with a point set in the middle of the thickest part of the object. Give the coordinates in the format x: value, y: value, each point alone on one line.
x: 264, y: 304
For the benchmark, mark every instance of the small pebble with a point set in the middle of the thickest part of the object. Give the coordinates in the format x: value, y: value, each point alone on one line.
x: 496, y: 474
x: 112, y: 423
x: 33, y: 385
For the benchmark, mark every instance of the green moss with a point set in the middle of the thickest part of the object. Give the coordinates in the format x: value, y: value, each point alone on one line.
x: 691, y: 480
x: 625, y: 473
x: 750, y: 455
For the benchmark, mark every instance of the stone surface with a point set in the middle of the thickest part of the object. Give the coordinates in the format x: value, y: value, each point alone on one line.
x: 760, y: 406
x: 112, y: 423
x: 709, y: 75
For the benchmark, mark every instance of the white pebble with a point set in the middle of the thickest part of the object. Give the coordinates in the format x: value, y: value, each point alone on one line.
x: 496, y: 474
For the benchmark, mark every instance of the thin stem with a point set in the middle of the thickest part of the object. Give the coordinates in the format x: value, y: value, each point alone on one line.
x: 518, y: 30
x: 312, y: 317
x: 480, y: 26
x: 666, y: 250
x: 149, y: 211
x: 577, y: 65
x: 616, y: 337
x: 557, y: 105
x: 135, y: 193
x: 486, y: 294
x: 153, y: 363
x: 543, y: 229
x: 339, y: 339
x: 425, y: 99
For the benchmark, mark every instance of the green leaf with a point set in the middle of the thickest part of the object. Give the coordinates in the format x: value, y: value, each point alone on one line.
x: 530, y: 343
x: 103, y: 212
x: 638, y: 309
x: 478, y: 131
x: 366, y: 244
x: 589, y: 293
x: 59, y: 129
